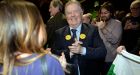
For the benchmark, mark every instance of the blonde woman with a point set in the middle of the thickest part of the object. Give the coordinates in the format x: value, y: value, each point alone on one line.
x: 22, y: 36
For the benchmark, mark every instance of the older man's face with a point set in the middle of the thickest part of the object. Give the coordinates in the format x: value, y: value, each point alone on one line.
x: 53, y: 10
x: 73, y: 14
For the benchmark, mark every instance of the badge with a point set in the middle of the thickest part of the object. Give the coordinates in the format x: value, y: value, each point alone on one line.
x: 67, y: 37
x: 82, y: 36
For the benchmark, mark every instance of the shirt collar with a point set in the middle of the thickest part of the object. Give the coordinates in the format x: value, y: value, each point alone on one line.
x: 78, y: 28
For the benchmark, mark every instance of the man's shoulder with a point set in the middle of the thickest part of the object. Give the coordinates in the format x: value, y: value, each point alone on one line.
x: 60, y: 16
x: 115, y: 21
x: 89, y: 26
x: 62, y: 29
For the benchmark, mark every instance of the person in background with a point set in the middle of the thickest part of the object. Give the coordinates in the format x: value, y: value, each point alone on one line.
x: 22, y: 37
x: 131, y: 26
x: 132, y: 20
x: 120, y: 14
x: 80, y: 42
x: 87, y: 18
x: 56, y: 21
x: 110, y: 31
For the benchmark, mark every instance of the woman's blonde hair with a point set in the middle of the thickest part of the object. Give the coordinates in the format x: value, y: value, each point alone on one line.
x: 20, y: 23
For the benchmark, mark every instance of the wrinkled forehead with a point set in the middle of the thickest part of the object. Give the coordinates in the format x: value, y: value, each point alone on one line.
x: 73, y: 6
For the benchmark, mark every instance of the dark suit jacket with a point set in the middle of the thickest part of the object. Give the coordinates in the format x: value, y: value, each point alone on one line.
x: 91, y: 63
x: 54, y: 23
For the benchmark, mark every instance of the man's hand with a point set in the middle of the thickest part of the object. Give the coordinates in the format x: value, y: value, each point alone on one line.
x: 120, y: 48
x: 101, y: 24
x: 130, y: 25
x: 76, y: 47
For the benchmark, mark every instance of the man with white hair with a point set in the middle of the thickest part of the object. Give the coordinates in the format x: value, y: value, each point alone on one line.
x: 80, y: 43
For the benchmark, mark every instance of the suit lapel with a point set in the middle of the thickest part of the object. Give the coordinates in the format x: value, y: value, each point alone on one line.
x: 84, y: 32
x: 67, y: 34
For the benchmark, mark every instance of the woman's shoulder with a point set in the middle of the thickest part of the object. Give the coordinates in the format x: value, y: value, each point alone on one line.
x: 54, y: 65
x: 51, y: 58
x: 52, y: 61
